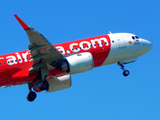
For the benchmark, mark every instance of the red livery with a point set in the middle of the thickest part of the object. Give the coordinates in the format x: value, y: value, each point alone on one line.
x: 48, y: 67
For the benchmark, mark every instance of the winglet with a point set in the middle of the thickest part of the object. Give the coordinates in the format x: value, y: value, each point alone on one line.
x: 24, y: 25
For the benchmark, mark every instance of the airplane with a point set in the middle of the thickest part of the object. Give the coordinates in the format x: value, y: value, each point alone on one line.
x: 47, y: 67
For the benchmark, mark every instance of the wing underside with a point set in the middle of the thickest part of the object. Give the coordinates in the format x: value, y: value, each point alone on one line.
x: 41, y: 50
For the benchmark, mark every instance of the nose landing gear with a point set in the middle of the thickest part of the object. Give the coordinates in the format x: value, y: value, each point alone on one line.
x: 32, y: 95
x: 125, y: 72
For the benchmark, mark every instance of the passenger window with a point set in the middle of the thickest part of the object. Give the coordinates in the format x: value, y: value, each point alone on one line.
x: 112, y: 41
x: 0, y: 63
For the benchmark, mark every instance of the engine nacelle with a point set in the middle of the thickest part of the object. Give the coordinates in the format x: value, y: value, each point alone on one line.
x: 59, y: 83
x: 78, y: 63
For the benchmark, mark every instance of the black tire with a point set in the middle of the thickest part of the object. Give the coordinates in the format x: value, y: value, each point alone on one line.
x: 44, y: 85
x: 31, y: 96
x: 126, y: 73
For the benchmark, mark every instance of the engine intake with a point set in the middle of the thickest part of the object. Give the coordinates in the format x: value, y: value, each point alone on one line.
x: 78, y: 63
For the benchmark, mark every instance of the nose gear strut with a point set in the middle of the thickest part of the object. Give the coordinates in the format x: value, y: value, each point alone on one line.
x: 125, y: 72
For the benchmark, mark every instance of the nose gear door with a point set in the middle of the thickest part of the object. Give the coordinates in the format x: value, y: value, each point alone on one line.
x: 121, y: 41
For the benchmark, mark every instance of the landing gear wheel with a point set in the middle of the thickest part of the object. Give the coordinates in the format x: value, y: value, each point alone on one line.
x: 44, y: 85
x: 126, y: 73
x: 31, y: 96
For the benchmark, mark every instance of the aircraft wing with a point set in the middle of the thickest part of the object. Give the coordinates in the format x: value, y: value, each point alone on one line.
x: 41, y: 50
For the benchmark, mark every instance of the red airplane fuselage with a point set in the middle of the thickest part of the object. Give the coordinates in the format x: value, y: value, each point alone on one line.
x: 48, y: 67
x: 14, y: 67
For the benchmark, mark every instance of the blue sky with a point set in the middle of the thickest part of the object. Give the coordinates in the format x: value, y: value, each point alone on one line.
x: 100, y: 94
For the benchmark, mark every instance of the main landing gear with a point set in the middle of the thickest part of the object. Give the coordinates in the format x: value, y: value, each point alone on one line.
x: 32, y: 95
x: 39, y: 83
x: 125, y: 72
x: 44, y: 85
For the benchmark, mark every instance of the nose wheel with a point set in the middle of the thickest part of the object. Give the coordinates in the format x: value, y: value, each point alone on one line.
x: 125, y: 72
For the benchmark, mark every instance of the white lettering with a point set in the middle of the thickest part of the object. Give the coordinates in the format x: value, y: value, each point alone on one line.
x: 61, y: 49
x: 99, y: 42
x: 83, y: 47
x: 24, y: 55
x: 11, y: 60
x: 72, y: 48
x: 19, y: 57
x: 75, y: 47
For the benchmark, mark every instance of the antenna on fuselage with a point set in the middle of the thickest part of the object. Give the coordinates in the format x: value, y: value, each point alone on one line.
x: 110, y: 32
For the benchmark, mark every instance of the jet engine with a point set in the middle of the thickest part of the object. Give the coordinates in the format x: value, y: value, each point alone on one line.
x: 59, y: 83
x: 77, y: 63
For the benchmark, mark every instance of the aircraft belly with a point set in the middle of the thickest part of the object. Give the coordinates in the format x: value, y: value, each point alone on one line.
x: 4, y: 81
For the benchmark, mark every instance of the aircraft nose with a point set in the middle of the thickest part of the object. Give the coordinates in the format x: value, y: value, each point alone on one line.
x: 147, y: 45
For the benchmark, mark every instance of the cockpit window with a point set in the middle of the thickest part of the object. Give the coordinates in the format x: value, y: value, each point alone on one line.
x: 133, y: 37
x: 136, y: 37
